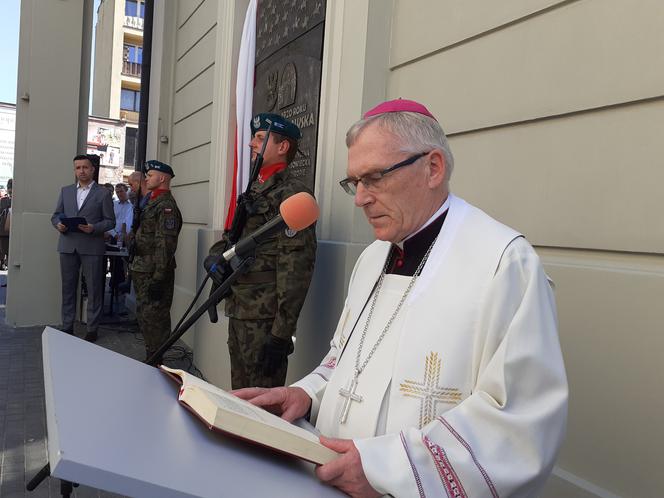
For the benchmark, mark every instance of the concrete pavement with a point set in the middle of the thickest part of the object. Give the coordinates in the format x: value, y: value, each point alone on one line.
x: 23, y: 444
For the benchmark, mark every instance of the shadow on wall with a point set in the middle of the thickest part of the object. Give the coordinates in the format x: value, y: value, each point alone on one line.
x: 325, y: 300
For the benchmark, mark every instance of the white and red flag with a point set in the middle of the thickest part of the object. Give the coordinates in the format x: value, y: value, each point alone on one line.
x: 244, y: 95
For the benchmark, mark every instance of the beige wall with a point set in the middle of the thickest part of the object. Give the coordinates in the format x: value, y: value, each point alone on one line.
x: 109, y: 45
x: 116, y: 60
x: 555, y: 115
x: 103, y: 50
x: 47, y: 124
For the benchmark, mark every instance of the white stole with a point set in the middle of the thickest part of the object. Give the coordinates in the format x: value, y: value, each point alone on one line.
x: 372, y: 382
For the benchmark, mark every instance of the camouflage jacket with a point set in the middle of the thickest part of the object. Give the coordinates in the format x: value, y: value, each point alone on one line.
x: 276, y: 284
x: 157, y: 237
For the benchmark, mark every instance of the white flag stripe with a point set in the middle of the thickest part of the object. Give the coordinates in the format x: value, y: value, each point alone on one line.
x: 244, y: 92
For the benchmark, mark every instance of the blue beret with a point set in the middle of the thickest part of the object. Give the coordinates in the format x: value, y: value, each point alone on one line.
x: 279, y: 125
x: 158, y: 166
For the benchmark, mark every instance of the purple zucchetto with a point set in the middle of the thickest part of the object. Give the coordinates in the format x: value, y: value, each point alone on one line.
x: 399, y: 105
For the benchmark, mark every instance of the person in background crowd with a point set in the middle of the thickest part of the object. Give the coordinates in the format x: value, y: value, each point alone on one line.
x: 138, y: 185
x: 123, y: 215
x: 5, y: 223
x: 124, y: 212
x: 153, y: 265
x: 82, y: 246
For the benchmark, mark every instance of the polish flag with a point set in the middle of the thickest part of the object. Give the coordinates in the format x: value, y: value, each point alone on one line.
x: 244, y: 95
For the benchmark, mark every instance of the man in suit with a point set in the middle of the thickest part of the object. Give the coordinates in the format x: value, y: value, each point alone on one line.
x: 82, y: 245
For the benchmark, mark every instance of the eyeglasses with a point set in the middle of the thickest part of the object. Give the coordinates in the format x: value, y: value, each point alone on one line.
x: 372, y: 180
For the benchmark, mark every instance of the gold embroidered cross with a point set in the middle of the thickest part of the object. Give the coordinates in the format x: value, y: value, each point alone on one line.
x: 428, y: 391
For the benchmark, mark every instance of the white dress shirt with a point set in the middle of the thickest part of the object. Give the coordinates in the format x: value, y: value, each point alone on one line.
x: 82, y: 193
x: 124, y: 214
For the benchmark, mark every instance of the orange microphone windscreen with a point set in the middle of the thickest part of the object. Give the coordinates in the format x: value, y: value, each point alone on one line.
x: 299, y: 211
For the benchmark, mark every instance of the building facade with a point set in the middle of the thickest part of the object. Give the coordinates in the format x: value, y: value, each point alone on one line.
x: 117, y: 70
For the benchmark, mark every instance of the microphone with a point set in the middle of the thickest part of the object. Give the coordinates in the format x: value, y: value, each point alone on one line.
x: 297, y: 213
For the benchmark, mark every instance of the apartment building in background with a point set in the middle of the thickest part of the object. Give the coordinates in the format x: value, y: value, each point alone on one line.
x: 116, y: 82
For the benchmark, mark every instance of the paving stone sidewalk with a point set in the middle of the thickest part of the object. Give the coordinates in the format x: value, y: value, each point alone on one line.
x: 23, y: 444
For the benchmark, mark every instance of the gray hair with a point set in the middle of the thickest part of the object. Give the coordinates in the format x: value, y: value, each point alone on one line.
x: 415, y: 132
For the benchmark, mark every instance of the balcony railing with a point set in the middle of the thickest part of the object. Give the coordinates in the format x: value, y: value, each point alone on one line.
x: 131, y: 69
x: 129, y: 116
x: 133, y: 22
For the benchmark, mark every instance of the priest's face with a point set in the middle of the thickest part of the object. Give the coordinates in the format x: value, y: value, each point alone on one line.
x: 401, y: 201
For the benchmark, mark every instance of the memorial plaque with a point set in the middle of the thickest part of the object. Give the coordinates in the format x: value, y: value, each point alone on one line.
x: 279, y: 22
x: 289, y: 49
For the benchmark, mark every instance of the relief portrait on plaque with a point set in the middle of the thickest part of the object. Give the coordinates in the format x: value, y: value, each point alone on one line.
x: 271, y: 91
x: 288, y: 83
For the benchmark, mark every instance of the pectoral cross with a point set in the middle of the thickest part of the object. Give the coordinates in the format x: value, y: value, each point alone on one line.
x: 350, y: 396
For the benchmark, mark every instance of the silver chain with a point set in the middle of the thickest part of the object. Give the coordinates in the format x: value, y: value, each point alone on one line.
x: 359, y: 368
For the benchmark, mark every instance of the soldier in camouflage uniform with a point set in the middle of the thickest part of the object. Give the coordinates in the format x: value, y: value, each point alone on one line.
x: 153, y: 266
x: 266, y: 300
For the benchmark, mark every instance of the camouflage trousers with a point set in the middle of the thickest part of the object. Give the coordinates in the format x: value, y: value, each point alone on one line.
x: 154, y: 317
x: 245, y: 346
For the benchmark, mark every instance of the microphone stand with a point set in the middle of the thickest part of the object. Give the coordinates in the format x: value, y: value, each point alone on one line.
x: 66, y: 487
x: 212, y: 300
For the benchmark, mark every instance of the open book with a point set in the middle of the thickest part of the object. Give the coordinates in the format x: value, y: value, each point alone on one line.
x: 234, y: 416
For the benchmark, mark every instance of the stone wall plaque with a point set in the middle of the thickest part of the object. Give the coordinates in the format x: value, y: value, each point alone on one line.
x: 279, y: 22
x: 288, y: 71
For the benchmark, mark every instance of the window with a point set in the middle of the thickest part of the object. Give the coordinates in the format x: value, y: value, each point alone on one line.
x: 133, y: 53
x: 131, y: 8
x: 130, y: 100
x: 134, y: 8
x: 131, y: 139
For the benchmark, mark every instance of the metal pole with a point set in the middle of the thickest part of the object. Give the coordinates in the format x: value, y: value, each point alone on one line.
x: 142, y: 140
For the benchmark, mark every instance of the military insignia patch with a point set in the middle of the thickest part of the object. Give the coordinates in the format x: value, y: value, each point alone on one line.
x: 257, y: 121
x: 169, y: 223
x: 290, y: 233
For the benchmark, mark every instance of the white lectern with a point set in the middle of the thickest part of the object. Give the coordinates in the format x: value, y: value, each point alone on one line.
x: 115, y: 424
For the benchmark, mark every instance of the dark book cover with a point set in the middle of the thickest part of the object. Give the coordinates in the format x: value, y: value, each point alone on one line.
x: 73, y: 223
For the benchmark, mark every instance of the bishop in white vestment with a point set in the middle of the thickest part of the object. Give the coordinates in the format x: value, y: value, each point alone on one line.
x: 448, y: 378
